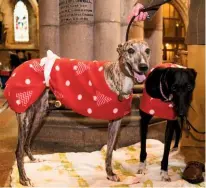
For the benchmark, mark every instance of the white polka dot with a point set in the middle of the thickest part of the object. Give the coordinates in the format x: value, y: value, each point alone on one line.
x: 67, y: 83
x: 30, y: 65
x: 171, y: 105
x: 75, y: 67
x: 89, y: 110
x: 95, y: 98
x: 14, y: 74
x: 57, y: 68
x: 18, y: 102
x: 115, y: 110
x: 79, y: 97
x: 90, y: 83
x: 151, y: 112
x: 100, y: 69
x: 151, y: 99
x: 27, y: 81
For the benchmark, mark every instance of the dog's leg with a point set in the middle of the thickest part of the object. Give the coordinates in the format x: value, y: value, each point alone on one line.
x: 168, y: 139
x: 24, y: 121
x: 40, y: 108
x: 177, y: 131
x: 113, y: 130
x: 145, y: 119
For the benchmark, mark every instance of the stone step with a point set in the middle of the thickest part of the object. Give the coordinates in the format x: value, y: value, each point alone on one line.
x: 81, y: 138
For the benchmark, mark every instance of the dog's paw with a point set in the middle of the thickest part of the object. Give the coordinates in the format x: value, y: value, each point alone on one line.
x: 142, y: 168
x: 164, y: 176
x: 27, y: 182
x: 37, y: 160
x: 174, y: 149
x: 114, y: 177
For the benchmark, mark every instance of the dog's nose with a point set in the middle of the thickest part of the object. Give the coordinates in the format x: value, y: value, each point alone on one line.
x: 143, y: 67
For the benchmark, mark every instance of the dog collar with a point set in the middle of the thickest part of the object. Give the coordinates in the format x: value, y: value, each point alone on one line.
x: 168, y: 99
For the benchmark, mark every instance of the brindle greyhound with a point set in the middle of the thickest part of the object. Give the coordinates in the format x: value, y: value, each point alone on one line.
x: 120, y: 77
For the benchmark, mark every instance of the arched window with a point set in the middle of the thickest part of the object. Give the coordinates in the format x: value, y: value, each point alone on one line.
x: 173, y: 33
x: 21, y: 22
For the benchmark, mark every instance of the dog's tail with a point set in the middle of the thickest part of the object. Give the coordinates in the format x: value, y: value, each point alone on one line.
x: 4, y: 107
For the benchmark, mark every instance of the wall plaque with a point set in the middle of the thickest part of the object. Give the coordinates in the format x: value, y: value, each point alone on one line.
x: 76, y: 11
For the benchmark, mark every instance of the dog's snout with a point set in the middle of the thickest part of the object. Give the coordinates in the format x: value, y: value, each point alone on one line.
x: 181, y: 113
x: 143, y: 67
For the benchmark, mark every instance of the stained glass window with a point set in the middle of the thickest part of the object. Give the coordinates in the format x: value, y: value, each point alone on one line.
x: 21, y: 22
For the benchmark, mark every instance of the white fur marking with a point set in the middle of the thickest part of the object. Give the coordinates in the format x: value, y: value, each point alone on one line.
x: 165, y: 176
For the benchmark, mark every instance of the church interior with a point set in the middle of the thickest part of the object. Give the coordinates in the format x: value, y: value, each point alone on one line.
x: 87, y: 30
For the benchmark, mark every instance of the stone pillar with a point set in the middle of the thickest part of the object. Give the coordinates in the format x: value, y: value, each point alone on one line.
x: 49, y: 26
x: 154, y: 36
x: 106, y: 29
x: 137, y: 28
x: 76, y: 29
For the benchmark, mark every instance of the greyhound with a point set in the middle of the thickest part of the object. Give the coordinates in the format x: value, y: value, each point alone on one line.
x: 167, y: 94
x: 120, y: 77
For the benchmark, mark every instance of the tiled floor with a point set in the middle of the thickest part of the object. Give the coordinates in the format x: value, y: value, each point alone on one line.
x: 8, y: 140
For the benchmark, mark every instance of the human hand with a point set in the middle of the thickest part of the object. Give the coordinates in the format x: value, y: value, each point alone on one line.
x: 135, y: 11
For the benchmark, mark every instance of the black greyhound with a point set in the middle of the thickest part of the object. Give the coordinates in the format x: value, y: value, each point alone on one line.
x: 178, y: 83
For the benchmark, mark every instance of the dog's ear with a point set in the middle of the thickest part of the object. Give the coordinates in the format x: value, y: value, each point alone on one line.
x: 120, y: 49
x: 192, y: 72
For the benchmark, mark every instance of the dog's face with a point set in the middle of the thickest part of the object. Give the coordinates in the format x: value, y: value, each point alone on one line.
x: 134, y: 56
x: 181, y: 83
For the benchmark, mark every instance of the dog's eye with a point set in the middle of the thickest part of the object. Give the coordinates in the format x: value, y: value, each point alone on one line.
x: 131, y: 51
x: 173, y: 88
x: 189, y: 87
x: 147, y: 51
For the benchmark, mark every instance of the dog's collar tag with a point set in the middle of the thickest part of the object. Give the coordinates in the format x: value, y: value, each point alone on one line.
x: 170, y: 97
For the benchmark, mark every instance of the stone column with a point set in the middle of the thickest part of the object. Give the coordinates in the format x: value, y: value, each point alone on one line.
x: 49, y: 26
x: 154, y: 36
x: 137, y: 28
x: 106, y: 29
x: 76, y: 29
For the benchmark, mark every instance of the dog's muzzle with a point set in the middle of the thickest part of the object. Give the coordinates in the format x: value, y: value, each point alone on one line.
x: 143, y: 67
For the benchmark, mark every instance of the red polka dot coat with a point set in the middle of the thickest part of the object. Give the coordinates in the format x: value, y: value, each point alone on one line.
x: 157, y: 107
x: 79, y: 85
